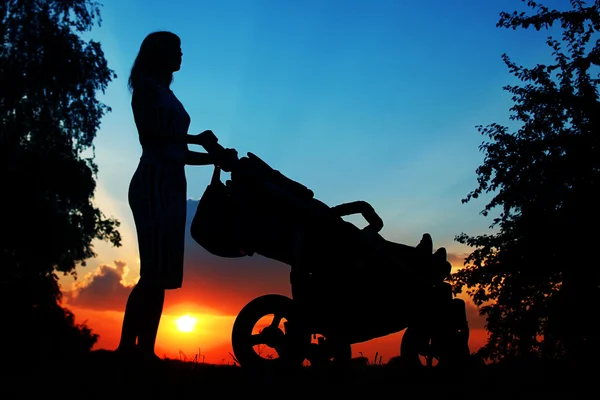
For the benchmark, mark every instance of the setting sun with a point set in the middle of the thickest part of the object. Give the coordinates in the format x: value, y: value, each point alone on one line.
x: 186, y: 323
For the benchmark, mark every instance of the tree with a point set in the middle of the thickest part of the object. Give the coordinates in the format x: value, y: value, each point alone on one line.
x: 49, y: 116
x: 536, y: 279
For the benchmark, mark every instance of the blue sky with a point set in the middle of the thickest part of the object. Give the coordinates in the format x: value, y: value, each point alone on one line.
x: 372, y: 100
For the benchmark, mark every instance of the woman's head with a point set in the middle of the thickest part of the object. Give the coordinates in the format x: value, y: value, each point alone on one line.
x: 159, y: 56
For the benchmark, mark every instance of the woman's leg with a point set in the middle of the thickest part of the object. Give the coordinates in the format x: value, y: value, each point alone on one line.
x: 153, y: 297
x: 141, y: 319
x: 131, y: 322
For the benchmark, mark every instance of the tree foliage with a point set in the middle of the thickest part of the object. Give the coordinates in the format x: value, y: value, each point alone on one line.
x: 536, y: 279
x: 49, y: 116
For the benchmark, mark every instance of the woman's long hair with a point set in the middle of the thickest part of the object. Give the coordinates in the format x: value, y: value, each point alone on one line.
x: 152, y: 60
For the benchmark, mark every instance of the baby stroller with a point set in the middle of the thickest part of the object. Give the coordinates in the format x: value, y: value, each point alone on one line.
x: 349, y: 285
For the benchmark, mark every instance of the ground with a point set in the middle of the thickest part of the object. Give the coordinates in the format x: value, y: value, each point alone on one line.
x: 101, y: 375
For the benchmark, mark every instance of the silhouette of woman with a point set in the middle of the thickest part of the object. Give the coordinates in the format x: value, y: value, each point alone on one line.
x: 157, y: 192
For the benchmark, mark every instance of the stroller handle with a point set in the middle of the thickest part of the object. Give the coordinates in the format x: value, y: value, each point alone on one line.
x: 255, y: 168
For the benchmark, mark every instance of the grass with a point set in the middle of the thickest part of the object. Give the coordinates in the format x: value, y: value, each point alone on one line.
x: 101, y: 375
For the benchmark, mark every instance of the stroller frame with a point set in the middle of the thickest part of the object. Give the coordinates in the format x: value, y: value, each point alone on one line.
x: 324, y: 284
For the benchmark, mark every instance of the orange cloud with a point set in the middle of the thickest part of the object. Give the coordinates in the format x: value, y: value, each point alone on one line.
x: 101, y: 290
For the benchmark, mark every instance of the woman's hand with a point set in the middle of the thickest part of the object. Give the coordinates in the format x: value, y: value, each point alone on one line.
x: 227, y: 159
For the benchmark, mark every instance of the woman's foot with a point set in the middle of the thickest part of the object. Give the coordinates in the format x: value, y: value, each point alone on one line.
x: 126, y: 353
x: 136, y: 355
x: 148, y: 357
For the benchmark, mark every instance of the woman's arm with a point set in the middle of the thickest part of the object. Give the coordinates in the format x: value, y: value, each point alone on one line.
x: 196, y: 158
x: 225, y: 160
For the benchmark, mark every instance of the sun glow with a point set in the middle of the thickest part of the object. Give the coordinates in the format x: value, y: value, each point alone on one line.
x: 186, y: 323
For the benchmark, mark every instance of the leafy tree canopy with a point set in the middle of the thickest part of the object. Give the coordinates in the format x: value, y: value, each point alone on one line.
x: 537, y: 279
x: 49, y: 116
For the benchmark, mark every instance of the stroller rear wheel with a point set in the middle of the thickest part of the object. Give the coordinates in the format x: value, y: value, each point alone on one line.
x: 280, y: 341
x: 447, y: 344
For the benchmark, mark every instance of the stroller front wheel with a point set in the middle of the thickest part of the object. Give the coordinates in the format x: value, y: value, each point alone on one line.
x: 268, y: 333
